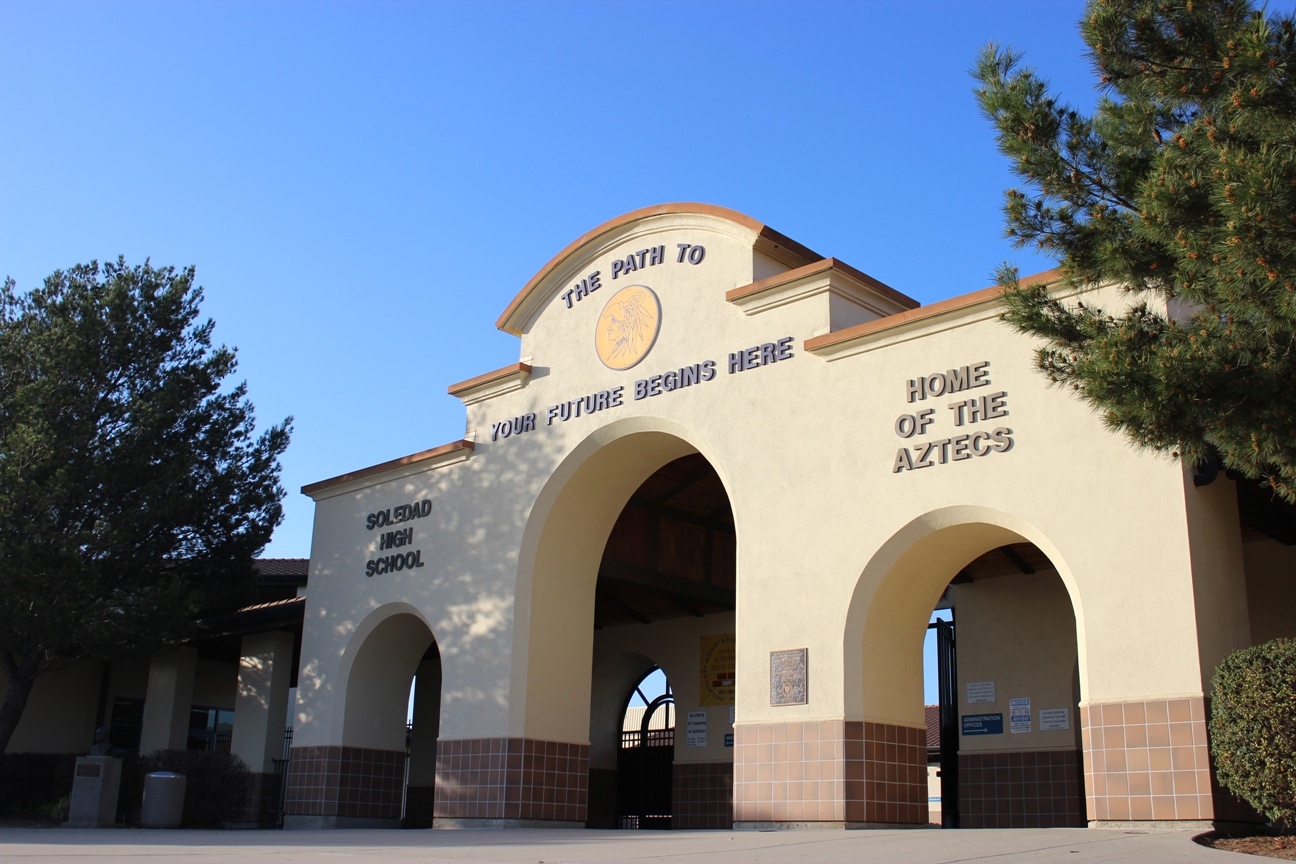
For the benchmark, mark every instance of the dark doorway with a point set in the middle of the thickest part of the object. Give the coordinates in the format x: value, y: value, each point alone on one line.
x: 645, y: 761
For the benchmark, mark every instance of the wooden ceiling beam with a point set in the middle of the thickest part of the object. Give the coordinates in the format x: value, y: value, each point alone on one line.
x: 686, y: 606
x: 1011, y: 555
x: 667, y: 512
x: 616, y: 573
x: 622, y: 605
x: 686, y: 483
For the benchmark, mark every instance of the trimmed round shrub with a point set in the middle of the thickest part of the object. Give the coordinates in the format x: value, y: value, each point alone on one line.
x: 1253, y: 727
x: 218, y: 788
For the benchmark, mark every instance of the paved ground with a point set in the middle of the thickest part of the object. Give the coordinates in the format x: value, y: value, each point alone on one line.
x: 1071, y: 845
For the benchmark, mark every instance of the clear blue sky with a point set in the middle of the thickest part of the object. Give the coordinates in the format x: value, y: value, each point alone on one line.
x: 364, y: 186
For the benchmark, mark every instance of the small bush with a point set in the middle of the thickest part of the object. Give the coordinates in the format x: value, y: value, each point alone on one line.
x: 32, y: 784
x: 55, y: 811
x: 218, y: 787
x: 1253, y: 727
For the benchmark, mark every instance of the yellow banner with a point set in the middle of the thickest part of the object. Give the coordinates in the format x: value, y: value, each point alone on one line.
x: 718, y: 664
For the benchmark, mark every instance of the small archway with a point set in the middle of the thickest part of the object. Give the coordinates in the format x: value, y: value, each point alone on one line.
x: 1018, y: 660
x: 377, y: 733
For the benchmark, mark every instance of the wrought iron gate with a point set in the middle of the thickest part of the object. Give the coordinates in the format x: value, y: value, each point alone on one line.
x: 644, y: 772
x: 947, y: 673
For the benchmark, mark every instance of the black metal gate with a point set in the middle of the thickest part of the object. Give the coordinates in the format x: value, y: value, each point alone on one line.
x: 947, y: 674
x: 278, y: 791
x: 644, y: 768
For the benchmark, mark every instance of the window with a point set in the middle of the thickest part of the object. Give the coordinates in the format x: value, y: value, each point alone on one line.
x: 210, y: 728
x: 126, y: 724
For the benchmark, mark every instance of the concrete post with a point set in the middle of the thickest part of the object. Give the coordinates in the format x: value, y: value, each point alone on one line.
x: 260, y: 708
x: 427, y: 723
x: 420, y: 791
x: 169, y: 698
x: 95, y: 786
x: 265, y: 671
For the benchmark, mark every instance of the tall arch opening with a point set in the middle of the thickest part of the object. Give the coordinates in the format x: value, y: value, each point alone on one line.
x: 1001, y: 747
x: 392, y: 749
x: 627, y: 562
x: 666, y: 590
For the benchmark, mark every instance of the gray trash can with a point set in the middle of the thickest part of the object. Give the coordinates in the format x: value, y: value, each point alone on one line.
x: 164, y: 794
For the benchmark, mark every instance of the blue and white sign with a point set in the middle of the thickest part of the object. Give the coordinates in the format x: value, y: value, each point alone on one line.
x: 982, y: 724
x: 1019, y: 715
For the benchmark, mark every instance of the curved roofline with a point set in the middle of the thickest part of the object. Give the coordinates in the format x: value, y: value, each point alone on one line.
x: 761, y: 230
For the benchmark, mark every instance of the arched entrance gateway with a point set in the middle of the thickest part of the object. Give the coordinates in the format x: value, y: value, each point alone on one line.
x: 756, y: 470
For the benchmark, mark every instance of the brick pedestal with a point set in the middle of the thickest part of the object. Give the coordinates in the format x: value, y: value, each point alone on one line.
x: 262, y: 809
x: 702, y: 795
x: 1147, y: 761
x: 1040, y: 789
x: 829, y: 773
x: 510, y: 782
x: 344, y: 787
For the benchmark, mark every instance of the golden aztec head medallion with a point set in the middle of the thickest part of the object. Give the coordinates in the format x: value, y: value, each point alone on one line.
x: 627, y: 327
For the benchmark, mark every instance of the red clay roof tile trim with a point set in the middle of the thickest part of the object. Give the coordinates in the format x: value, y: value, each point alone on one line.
x: 287, y: 601
x: 814, y: 268
x: 413, y: 458
x: 512, y: 369
x: 762, y: 230
x: 953, y: 303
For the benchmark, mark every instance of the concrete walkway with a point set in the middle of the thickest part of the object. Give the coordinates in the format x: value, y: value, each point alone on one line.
x: 1071, y: 845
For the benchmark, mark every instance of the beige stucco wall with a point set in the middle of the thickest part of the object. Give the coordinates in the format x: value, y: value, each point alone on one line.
x: 1018, y: 632
x: 215, y: 684
x: 836, y: 552
x: 128, y: 680
x: 60, y: 712
x: 1271, y: 589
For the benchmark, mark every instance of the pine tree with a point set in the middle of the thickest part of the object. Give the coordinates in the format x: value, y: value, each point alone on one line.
x: 134, y: 492
x: 1181, y: 189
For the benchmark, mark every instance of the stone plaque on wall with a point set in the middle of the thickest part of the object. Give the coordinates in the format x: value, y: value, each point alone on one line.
x: 788, y: 677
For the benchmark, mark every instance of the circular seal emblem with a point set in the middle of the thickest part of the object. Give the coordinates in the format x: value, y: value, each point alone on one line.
x: 627, y: 327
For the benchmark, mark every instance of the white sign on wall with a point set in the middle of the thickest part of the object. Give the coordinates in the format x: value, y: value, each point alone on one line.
x: 1055, y: 719
x: 1019, y: 715
x: 980, y: 691
x: 695, y: 734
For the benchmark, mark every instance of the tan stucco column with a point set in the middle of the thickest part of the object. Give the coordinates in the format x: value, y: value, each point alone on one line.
x: 168, y: 700
x: 265, y: 671
x: 260, y: 709
x: 1147, y: 756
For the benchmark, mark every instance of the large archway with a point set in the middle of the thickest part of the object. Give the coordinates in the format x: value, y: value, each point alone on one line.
x: 633, y: 556
x: 666, y: 590
x: 1009, y: 748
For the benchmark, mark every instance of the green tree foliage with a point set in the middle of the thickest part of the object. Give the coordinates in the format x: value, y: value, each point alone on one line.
x: 134, y: 493
x: 1181, y: 188
x: 1253, y: 727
